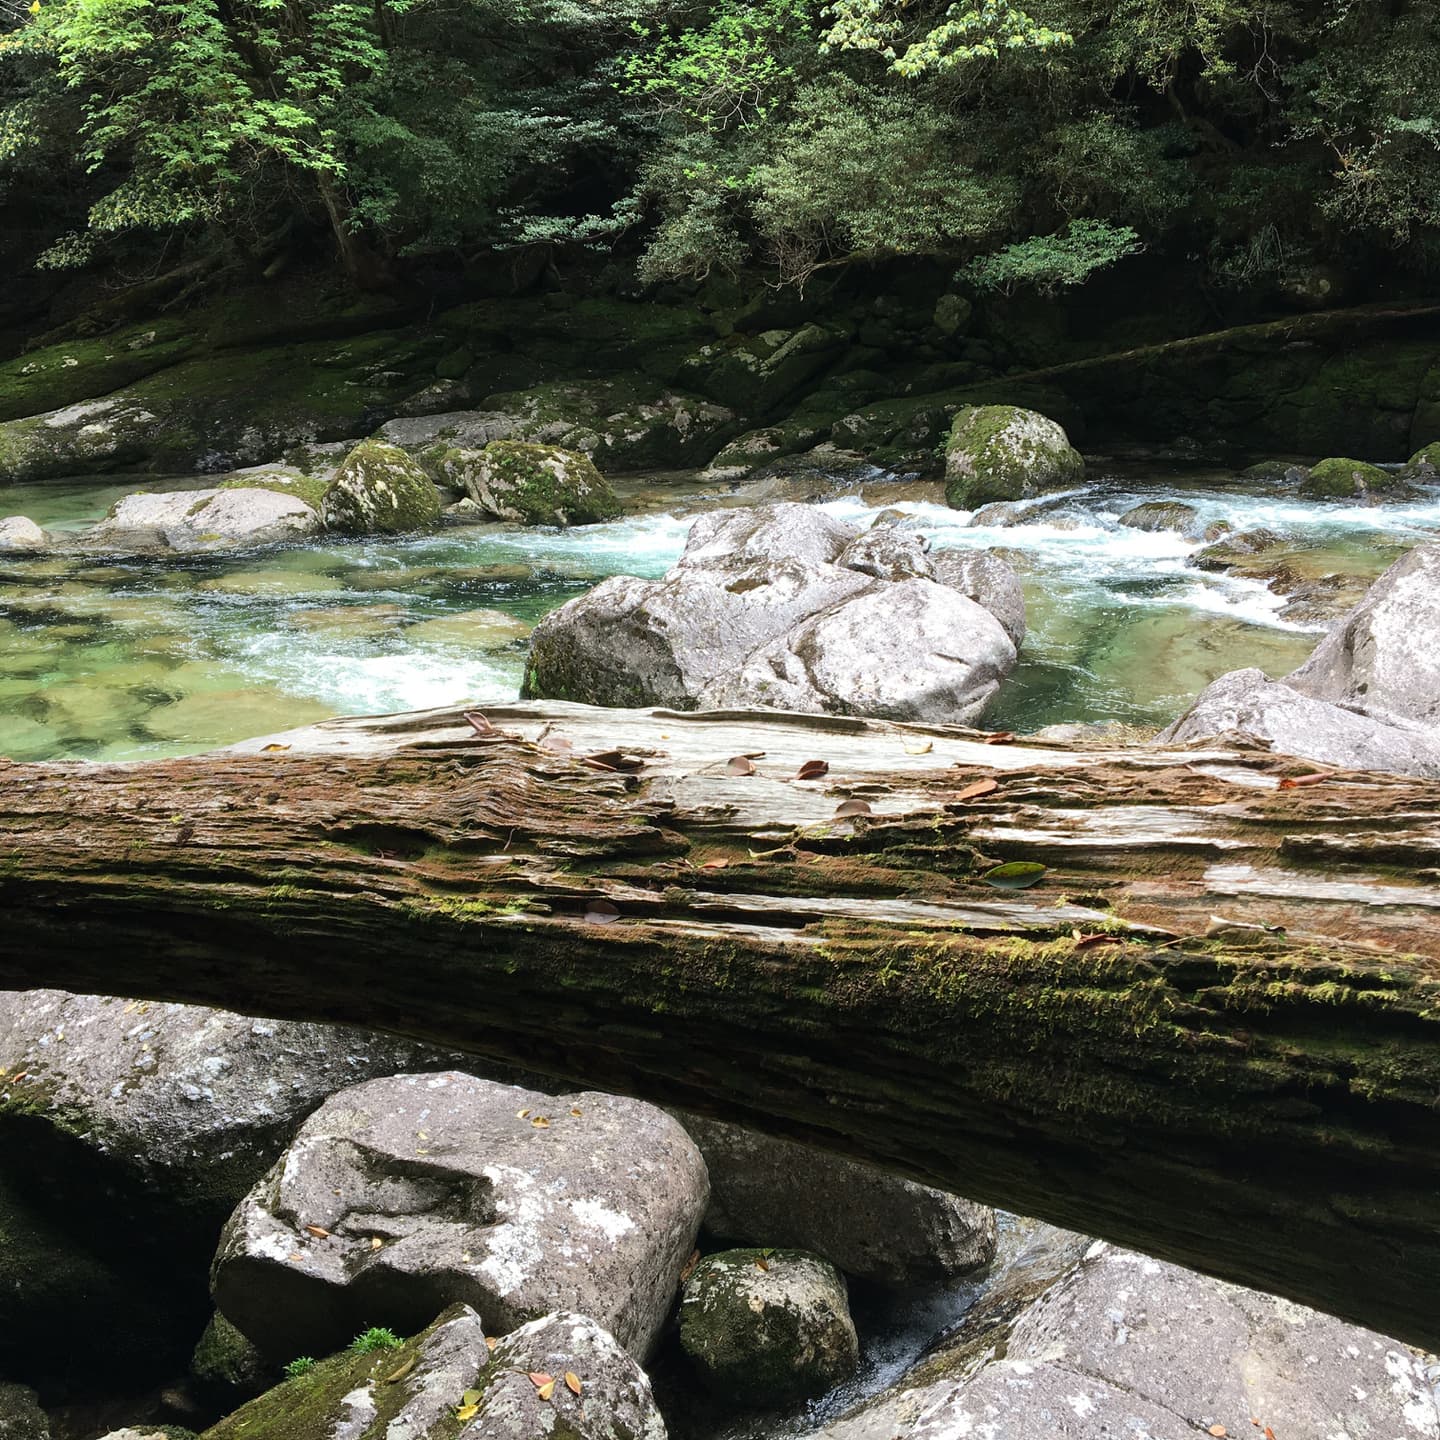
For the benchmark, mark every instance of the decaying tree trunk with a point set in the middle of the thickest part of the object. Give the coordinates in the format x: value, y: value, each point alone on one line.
x: 1130, y: 1047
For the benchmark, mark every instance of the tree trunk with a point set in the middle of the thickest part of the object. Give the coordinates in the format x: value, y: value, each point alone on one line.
x: 1131, y: 1047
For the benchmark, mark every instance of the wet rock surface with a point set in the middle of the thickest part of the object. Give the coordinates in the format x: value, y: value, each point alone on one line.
x: 403, y: 1195
x: 1005, y: 453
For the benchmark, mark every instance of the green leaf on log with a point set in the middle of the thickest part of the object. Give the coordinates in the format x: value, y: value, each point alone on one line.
x: 1017, y: 875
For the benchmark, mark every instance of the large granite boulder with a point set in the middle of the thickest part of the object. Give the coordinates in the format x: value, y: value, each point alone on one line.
x: 1001, y: 452
x: 873, y: 1226
x: 129, y: 1130
x: 403, y: 1195
x: 1367, y: 699
x: 782, y: 606
x: 529, y: 484
x: 380, y: 490
x: 767, y: 1327
x: 1126, y: 1345
x: 229, y: 517
x: 988, y: 581
x: 558, y: 1378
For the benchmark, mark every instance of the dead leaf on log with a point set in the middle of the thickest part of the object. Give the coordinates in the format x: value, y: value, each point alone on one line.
x: 1088, y: 942
x: 1000, y: 737
x: 614, y: 760
x: 572, y: 1382
x: 541, y: 1122
x: 318, y: 1231
x: 739, y: 765
x: 848, y: 809
x: 479, y: 723
x: 271, y: 749
x: 539, y: 1379
x: 1223, y: 924
x: 715, y: 865
x: 979, y: 788
x: 813, y: 770
x: 1294, y: 782
x: 1218, y: 1431
x: 1017, y: 875
x: 602, y: 912
x: 919, y: 747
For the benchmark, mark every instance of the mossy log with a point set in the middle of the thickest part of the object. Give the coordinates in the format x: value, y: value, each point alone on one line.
x: 1209, y: 1030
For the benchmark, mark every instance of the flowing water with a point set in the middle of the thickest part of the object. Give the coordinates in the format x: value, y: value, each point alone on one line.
x: 142, y: 658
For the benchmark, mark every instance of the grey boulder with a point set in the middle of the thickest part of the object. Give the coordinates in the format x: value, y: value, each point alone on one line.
x: 986, y: 579
x: 873, y: 1226
x: 767, y: 1327
x: 404, y: 1195
x: 20, y: 534
x: 782, y: 606
x: 189, y: 521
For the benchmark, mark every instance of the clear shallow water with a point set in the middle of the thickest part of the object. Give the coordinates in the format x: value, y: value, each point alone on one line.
x: 136, y: 659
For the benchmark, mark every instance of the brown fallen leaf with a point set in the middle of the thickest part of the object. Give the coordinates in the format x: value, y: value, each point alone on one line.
x: 491, y: 1342
x: 318, y: 1231
x: 478, y: 723
x: 1269, y: 1433
x: 1000, y: 737
x: 613, y: 760
x: 271, y: 749
x: 762, y: 1263
x: 739, y: 765
x: 1219, y: 1431
x: 850, y: 808
x: 602, y: 912
x: 979, y: 788
x: 689, y: 1267
x: 813, y: 770
x: 1088, y: 942
x: 572, y: 1382
x: 541, y: 1122
x: 1294, y: 782
x: 576, y: 1111
x: 546, y: 1390
x: 715, y: 865
x: 539, y: 1378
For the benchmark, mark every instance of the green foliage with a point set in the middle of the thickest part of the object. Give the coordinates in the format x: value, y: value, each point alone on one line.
x: 965, y: 33
x: 376, y: 1338
x: 300, y: 1365
x: 1050, y: 262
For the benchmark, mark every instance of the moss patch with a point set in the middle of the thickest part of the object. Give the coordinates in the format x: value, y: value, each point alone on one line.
x: 379, y: 489
x: 1342, y: 479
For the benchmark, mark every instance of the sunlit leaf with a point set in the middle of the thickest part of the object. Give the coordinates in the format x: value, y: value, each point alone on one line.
x: 1017, y: 875
x: 318, y: 1231
x: 848, y: 809
x: 546, y: 1390
x: 919, y: 747
x: 739, y: 765
x: 539, y: 1379
x: 572, y: 1382
x: 979, y: 788
x: 813, y: 770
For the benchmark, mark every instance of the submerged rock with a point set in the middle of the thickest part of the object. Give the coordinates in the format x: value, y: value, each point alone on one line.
x: 783, y: 606
x: 530, y: 484
x: 873, y: 1226
x: 188, y: 521
x: 406, y: 1194
x: 1235, y: 549
x: 1424, y: 466
x: 380, y: 490
x: 1157, y: 515
x: 1368, y: 698
x: 18, y: 533
x: 766, y: 1327
x: 1001, y: 452
x: 1128, y: 1345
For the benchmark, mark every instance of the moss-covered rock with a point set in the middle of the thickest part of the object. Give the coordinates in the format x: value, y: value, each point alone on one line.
x: 1001, y: 452
x: 767, y: 1327
x: 755, y: 373
x: 530, y: 484
x: 224, y: 1360
x: 1158, y: 515
x: 1343, y: 479
x: 380, y: 490
x: 1425, y: 464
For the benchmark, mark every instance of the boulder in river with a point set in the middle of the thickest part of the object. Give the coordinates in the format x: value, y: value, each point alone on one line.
x: 1367, y: 699
x: 530, y: 484
x: 767, y: 1327
x: 1126, y: 1345
x: 784, y: 606
x: 234, y: 516
x: 1160, y: 515
x: 1342, y: 479
x: 20, y: 533
x: 1424, y: 466
x: 1001, y: 452
x: 989, y: 581
x: 875, y: 1227
x: 406, y: 1194
x: 380, y: 490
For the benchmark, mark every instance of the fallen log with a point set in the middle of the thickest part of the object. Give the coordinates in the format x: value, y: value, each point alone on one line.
x: 1207, y: 1029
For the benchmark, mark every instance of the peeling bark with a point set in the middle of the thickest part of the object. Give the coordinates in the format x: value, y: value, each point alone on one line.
x: 1123, y: 1049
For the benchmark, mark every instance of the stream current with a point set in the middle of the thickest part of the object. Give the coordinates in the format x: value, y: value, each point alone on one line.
x: 134, y: 659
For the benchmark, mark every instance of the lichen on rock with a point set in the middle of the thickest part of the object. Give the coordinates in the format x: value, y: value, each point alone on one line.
x: 380, y: 490
x: 1001, y: 452
x: 530, y: 484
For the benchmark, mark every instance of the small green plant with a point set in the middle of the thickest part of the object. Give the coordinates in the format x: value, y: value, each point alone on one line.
x: 300, y: 1365
x: 376, y: 1338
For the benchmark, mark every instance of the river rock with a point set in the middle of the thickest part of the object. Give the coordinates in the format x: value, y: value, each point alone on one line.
x: 873, y: 1226
x: 21, y: 1417
x: 1158, y: 515
x: 1424, y: 466
x: 530, y: 484
x: 1343, y: 479
x: 1126, y: 1345
x: 780, y: 605
x: 1383, y: 658
x: 188, y: 521
x: 1001, y: 452
x: 614, y: 1400
x: 128, y: 1132
x: 766, y: 1327
x: 1235, y: 549
x: 20, y: 534
x: 989, y: 581
x: 470, y: 1199
x: 380, y: 490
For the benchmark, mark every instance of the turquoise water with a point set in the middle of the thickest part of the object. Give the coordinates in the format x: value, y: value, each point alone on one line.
x: 127, y: 660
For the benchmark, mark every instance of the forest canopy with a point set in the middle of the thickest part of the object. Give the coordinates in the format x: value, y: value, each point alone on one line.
x: 1030, y: 145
